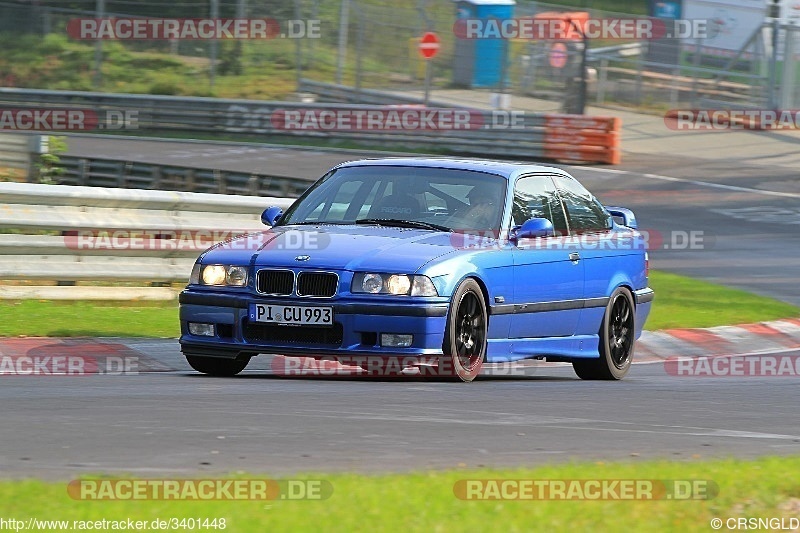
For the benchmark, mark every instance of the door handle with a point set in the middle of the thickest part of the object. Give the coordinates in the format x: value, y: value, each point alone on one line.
x: 574, y: 257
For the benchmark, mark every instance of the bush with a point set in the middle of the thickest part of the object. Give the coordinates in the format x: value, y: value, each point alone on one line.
x: 164, y: 87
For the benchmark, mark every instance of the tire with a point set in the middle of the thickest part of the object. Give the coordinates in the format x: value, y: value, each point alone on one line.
x: 465, y: 334
x: 217, y: 366
x: 616, y: 340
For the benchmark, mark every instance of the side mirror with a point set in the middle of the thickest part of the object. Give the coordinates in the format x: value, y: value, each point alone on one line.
x: 271, y: 215
x: 533, y: 228
x: 623, y: 216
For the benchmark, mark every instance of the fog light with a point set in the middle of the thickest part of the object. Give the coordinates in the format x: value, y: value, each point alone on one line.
x: 396, y: 341
x: 204, y: 330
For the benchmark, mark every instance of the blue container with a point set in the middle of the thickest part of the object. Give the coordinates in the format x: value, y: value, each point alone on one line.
x: 479, y: 62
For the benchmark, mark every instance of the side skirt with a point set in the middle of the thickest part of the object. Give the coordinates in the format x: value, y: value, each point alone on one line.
x: 558, y: 348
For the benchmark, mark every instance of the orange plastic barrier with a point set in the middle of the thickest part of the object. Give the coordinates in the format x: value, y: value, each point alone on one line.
x: 583, y: 138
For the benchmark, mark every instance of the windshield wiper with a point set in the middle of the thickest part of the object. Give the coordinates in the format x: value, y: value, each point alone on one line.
x: 396, y: 222
x: 316, y: 223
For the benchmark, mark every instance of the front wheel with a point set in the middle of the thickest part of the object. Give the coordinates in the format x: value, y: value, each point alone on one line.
x: 216, y: 366
x: 466, y: 333
x: 616, y: 341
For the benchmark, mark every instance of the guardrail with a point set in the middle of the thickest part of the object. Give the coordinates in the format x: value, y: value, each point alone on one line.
x: 70, y: 234
x: 16, y: 153
x: 566, y: 137
x: 97, y: 172
x: 529, y: 137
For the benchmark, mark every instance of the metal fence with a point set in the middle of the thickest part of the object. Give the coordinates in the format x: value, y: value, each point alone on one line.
x: 531, y: 136
x: 98, y: 172
x: 17, y: 155
x: 367, y: 44
x: 67, y: 233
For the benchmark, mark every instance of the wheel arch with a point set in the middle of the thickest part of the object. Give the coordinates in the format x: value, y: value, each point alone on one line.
x: 620, y: 279
x: 484, y: 294
x: 630, y: 288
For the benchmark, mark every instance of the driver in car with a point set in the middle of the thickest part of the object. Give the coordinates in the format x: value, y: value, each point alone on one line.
x: 482, y: 210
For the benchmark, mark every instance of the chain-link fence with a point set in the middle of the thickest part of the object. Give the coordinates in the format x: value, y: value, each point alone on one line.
x: 369, y: 44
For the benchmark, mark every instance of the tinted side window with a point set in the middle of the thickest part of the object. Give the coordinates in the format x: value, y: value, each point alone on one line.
x: 535, y: 197
x: 586, y: 214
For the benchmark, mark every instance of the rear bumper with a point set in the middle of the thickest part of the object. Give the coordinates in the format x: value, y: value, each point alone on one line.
x: 643, y: 296
x: 644, y: 301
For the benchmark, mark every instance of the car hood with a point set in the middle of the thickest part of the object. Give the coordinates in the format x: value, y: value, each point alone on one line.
x: 346, y: 247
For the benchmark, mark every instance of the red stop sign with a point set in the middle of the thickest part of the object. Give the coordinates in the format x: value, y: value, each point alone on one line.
x: 429, y: 45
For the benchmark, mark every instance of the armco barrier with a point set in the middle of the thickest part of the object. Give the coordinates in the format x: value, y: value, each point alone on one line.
x: 16, y: 152
x: 527, y: 138
x: 567, y: 137
x: 97, y: 172
x: 144, y: 236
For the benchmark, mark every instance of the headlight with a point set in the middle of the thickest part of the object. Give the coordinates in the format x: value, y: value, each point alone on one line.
x: 237, y: 276
x: 372, y: 283
x: 232, y: 275
x: 214, y: 275
x: 396, y: 284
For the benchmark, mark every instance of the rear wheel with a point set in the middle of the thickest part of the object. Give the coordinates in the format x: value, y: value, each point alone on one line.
x: 466, y: 333
x: 216, y: 366
x: 616, y: 341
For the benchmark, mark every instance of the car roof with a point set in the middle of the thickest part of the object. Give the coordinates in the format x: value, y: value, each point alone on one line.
x: 506, y: 169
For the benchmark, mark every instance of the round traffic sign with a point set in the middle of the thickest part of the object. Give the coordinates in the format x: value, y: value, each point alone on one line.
x: 558, y: 55
x: 429, y: 45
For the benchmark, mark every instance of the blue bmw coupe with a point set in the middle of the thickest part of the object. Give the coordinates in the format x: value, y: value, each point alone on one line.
x: 459, y: 262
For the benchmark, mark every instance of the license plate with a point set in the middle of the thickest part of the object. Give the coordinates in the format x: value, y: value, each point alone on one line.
x: 295, y: 315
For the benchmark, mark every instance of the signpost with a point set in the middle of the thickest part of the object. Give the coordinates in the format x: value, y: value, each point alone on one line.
x: 428, y: 47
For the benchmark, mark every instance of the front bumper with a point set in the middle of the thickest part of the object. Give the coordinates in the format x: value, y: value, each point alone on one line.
x: 357, y: 330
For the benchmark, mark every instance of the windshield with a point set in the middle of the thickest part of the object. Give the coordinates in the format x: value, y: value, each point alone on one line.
x: 429, y: 198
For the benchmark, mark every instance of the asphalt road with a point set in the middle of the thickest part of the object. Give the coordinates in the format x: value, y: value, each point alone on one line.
x: 183, y: 423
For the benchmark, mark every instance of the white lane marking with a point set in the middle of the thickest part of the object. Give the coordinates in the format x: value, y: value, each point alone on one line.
x: 683, y: 180
x: 721, y: 186
x: 763, y: 213
x: 522, y: 418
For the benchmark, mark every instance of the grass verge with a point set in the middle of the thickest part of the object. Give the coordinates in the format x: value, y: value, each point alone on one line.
x: 684, y: 302
x: 681, y: 302
x: 46, y: 318
x: 426, y: 501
